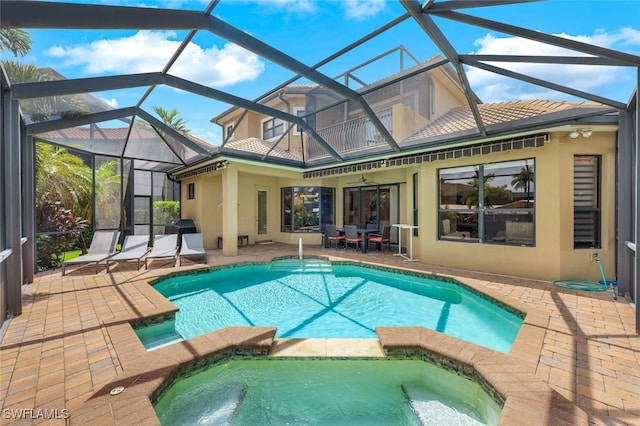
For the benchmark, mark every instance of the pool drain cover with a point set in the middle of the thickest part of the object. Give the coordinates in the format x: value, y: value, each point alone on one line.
x: 116, y: 391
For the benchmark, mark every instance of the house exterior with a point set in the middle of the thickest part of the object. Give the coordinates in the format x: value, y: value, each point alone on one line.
x: 548, y: 172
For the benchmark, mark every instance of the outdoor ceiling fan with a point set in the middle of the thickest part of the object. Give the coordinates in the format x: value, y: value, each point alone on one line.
x: 363, y: 181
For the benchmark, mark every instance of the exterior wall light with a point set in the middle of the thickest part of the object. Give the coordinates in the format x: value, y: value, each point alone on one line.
x: 584, y: 132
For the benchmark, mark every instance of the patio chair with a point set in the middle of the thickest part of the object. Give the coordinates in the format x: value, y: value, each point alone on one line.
x: 103, y: 245
x: 192, y: 246
x: 333, y: 235
x: 165, y: 246
x: 382, y: 238
x: 134, y: 247
x: 351, y: 236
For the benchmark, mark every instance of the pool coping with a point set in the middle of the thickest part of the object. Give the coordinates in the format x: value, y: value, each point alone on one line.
x: 527, y: 398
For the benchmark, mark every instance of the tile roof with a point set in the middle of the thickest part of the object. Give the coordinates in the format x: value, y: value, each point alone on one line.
x: 258, y: 146
x: 460, y: 119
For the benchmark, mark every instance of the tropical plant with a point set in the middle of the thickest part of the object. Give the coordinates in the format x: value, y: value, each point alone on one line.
x: 15, y: 40
x: 523, y: 180
x: 64, y: 178
x: 107, y: 196
x: 165, y: 211
x: 59, y: 230
x: 41, y: 109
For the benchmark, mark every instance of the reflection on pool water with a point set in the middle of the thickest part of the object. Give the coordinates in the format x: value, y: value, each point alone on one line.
x: 326, y: 392
x: 348, y: 301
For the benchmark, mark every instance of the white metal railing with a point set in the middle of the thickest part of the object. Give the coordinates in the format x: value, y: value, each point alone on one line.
x: 351, y: 135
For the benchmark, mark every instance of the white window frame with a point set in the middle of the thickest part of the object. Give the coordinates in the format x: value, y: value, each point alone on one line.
x: 231, y: 125
x: 296, y: 112
x: 276, y: 122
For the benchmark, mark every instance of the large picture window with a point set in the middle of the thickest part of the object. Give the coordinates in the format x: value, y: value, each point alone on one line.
x: 307, y: 208
x: 488, y: 203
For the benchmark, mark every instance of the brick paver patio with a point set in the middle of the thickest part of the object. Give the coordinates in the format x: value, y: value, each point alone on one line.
x: 73, y: 341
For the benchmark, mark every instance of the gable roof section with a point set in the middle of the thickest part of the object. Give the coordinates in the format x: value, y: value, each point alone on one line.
x: 503, y: 117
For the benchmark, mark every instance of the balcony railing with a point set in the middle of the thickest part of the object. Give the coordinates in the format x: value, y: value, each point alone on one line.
x: 351, y: 135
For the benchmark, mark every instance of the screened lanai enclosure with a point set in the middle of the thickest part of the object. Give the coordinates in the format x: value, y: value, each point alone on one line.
x: 127, y: 153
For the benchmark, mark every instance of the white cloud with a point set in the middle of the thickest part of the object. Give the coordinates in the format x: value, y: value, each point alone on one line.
x: 149, y: 51
x: 492, y: 87
x: 291, y: 6
x: 113, y: 102
x: 360, y: 10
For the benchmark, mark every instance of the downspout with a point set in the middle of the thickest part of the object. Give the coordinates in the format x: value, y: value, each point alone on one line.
x: 288, y: 111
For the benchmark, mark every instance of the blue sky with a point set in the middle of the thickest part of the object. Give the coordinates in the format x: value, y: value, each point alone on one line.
x: 311, y: 30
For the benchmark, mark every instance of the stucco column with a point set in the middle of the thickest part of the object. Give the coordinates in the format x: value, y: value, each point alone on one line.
x: 230, y: 212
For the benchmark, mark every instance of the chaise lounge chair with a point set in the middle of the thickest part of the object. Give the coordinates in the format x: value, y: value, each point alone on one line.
x: 103, y: 245
x: 164, y: 247
x: 135, y: 247
x: 192, y: 246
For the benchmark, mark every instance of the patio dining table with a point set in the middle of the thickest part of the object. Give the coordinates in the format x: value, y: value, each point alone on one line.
x: 364, y: 245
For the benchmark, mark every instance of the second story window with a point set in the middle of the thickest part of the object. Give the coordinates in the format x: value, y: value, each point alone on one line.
x: 272, y: 128
x: 229, y: 131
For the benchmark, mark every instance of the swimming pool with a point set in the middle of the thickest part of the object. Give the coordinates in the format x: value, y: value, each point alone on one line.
x: 344, y: 301
x: 326, y: 392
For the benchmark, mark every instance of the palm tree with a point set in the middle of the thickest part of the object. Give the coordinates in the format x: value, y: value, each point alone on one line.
x: 472, y: 198
x: 172, y: 119
x: 63, y: 177
x: 524, y: 179
x: 16, y: 40
x: 107, y: 196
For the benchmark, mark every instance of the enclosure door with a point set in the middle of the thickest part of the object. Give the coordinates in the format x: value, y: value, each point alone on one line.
x: 262, y: 223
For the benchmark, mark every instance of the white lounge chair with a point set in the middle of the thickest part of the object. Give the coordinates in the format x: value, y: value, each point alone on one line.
x: 134, y: 247
x: 192, y: 246
x: 165, y: 246
x: 103, y: 245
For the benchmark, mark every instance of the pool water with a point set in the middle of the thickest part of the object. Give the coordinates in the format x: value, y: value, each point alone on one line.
x: 326, y: 392
x: 348, y: 302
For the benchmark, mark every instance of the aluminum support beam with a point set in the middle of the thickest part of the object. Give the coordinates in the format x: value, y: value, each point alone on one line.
x: 28, y: 157
x: 547, y: 84
x: 44, y: 89
x: 208, y: 92
x: 432, y: 30
x: 624, y: 210
x: 241, y: 38
x: 44, y: 14
x: 13, y: 205
x: 464, y: 4
x: 636, y: 208
x: 562, y: 60
x: 171, y: 132
x: 628, y: 59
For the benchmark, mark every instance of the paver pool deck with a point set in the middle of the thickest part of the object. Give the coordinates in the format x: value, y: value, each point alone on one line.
x: 576, y: 360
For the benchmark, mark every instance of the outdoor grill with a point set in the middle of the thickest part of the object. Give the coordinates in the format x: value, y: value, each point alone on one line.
x: 180, y: 226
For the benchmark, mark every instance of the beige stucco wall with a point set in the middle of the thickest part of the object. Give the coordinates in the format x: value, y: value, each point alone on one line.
x: 553, y: 256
